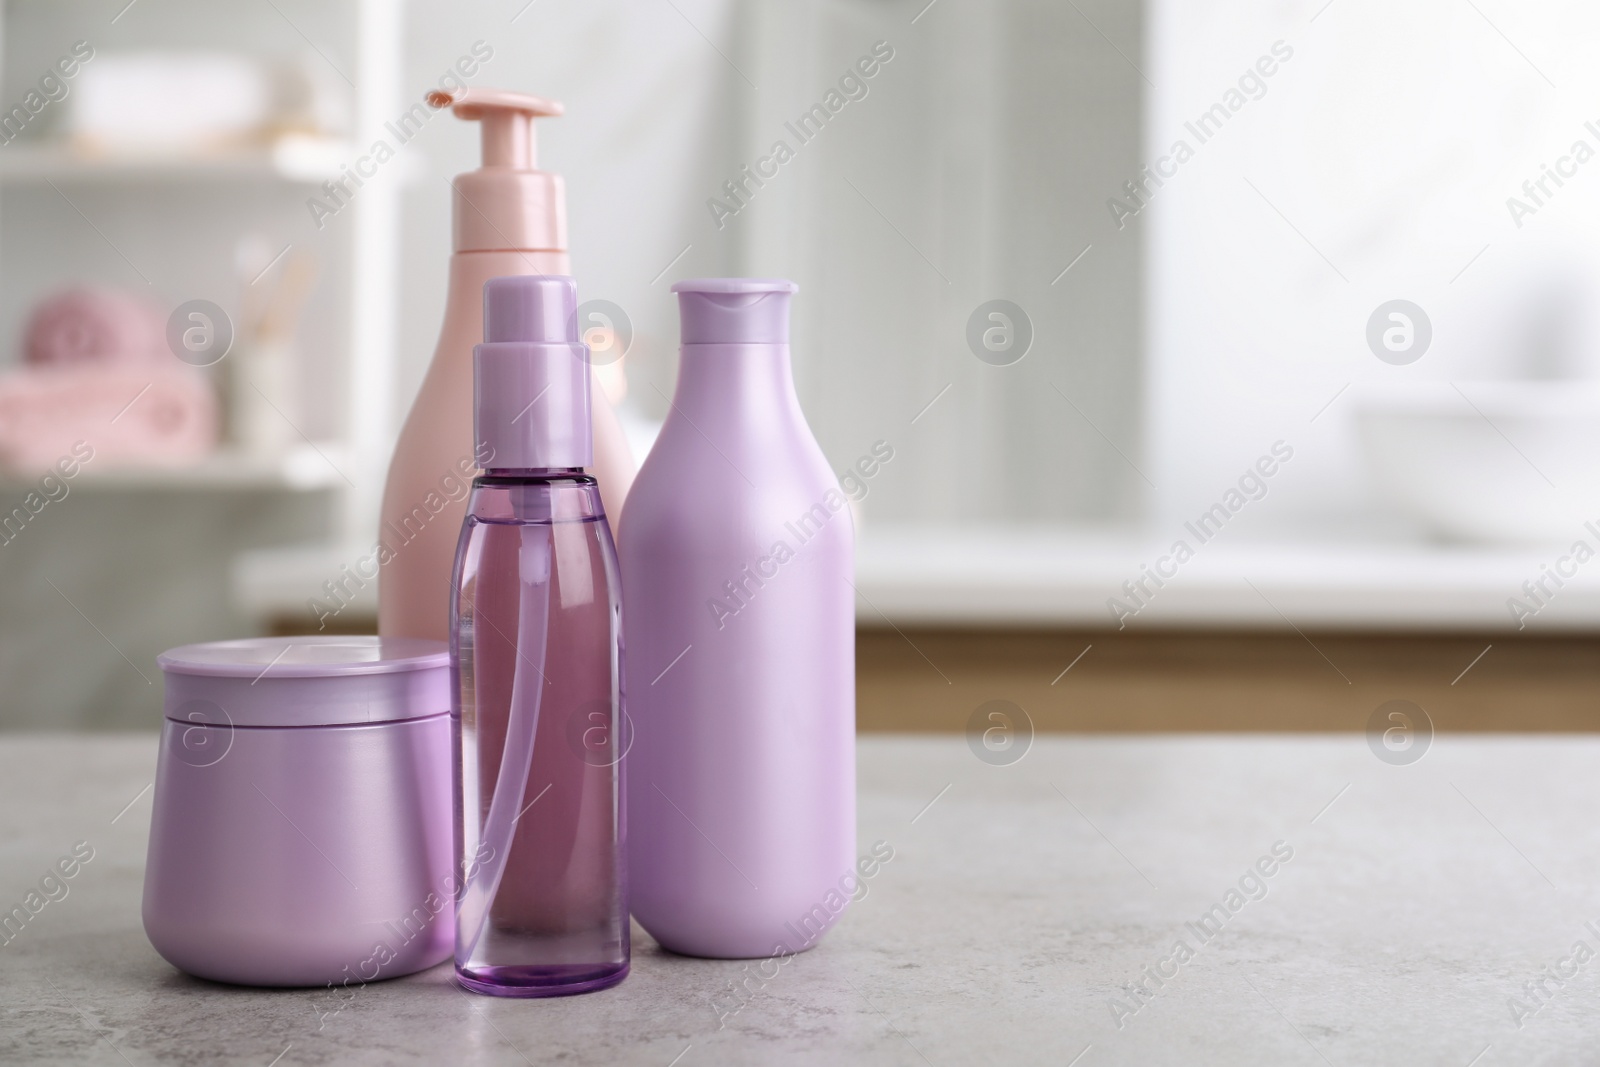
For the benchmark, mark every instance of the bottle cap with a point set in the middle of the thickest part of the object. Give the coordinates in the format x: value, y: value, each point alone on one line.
x: 531, y: 376
x: 735, y: 311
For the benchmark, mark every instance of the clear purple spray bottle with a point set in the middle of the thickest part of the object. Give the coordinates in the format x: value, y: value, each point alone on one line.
x: 536, y: 653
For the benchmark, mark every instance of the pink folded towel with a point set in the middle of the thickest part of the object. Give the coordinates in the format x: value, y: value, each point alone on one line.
x: 155, y: 416
x: 93, y: 325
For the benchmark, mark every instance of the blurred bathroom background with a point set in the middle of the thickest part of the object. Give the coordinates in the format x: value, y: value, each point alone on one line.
x: 1308, y: 287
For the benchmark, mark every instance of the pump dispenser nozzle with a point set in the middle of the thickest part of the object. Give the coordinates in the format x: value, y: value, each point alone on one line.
x: 508, y: 204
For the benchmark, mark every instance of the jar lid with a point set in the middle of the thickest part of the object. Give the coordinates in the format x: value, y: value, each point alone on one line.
x: 306, y: 681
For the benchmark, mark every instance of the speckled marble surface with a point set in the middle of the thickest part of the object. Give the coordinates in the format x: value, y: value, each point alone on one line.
x: 1021, y: 899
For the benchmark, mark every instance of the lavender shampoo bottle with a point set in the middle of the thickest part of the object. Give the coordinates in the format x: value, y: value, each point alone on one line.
x: 536, y: 654
x: 737, y: 562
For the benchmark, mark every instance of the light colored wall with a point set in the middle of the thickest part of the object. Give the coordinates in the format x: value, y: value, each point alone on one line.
x: 985, y: 142
x: 1376, y: 166
x: 967, y: 173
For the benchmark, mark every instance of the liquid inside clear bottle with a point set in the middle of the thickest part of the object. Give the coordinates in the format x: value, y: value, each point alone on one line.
x: 536, y: 636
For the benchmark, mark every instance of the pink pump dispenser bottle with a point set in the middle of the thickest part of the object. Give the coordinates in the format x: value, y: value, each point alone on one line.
x: 536, y: 660
x: 737, y: 562
x: 509, y: 219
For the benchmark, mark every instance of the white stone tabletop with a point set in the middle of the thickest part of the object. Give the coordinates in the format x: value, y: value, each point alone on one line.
x: 1221, y: 899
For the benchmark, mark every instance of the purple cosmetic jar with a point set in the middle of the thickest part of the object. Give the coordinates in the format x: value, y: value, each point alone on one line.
x: 302, y: 832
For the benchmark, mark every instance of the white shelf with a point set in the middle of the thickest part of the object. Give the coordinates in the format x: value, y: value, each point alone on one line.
x: 1000, y: 577
x: 293, y: 159
x: 1016, y: 577
x: 301, y: 469
x: 366, y: 241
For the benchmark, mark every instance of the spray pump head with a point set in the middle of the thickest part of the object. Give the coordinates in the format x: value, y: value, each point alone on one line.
x: 531, y: 375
